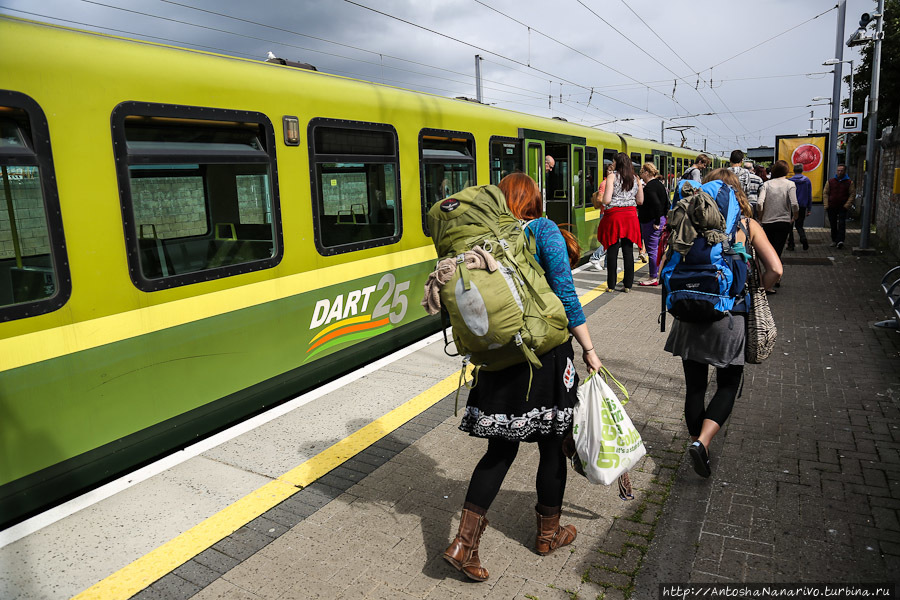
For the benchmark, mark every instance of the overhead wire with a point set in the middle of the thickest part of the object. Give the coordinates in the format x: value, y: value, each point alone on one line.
x: 790, y: 29
x: 512, y: 60
x: 306, y: 49
x: 654, y: 59
x: 601, y: 63
x: 531, y: 94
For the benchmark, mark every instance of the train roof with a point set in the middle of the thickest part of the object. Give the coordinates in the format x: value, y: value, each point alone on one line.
x: 40, y: 35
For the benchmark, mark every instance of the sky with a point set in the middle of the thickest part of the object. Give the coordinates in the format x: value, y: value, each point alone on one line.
x: 630, y: 66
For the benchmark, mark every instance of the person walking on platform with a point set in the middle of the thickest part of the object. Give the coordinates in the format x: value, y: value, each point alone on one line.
x: 652, y: 216
x: 695, y: 171
x: 619, y: 227
x: 508, y: 407
x: 598, y: 258
x: 839, y: 193
x: 778, y: 206
x: 743, y: 174
x: 804, y: 201
x: 719, y: 344
x: 754, y: 182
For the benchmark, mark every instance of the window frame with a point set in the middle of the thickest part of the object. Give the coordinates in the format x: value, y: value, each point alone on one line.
x: 433, y: 161
x: 502, y: 139
x: 595, y: 163
x: 133, y: 108
x: 41, y: 153
x: 315, y: 159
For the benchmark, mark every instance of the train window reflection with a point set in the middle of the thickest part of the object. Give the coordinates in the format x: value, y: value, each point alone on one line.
x: 447, y: 164
x: 33, y: 266
x: 356, y: 201
x: 199, y: 195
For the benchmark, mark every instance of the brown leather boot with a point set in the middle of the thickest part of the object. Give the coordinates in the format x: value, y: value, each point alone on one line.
x: 550, y: 535
x: 463, y: 552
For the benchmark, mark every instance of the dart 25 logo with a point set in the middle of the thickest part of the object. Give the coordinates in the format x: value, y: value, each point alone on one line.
x: 344, y: 318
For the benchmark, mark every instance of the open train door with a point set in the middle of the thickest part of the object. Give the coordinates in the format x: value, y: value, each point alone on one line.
x: 534, y: 166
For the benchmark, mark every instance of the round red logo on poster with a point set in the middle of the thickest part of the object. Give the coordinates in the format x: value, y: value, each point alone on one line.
x: 807, y: 155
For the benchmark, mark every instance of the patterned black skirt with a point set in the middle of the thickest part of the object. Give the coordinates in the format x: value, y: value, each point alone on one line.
x: 501, y: 406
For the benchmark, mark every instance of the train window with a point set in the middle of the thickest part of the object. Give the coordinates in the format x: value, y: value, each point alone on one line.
x: 591, y: 182
x: 506, y: 157
x: 609, y: 158
x: 34, y: 272
x: 446, y: 164
x: 636, y: 161
x: 356, y: 183
x: 199, y: 195
x: 649, y: 158
x: 680, y: 168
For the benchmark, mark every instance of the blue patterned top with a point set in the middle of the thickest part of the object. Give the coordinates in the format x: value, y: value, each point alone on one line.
x: 554, y: 259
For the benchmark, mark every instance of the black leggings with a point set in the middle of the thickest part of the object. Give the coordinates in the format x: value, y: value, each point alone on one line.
x: 493, y: 466
x: 612, y: 255
x: 696, y: 376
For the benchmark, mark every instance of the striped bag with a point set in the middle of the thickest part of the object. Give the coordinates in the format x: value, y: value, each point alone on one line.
x: 761, y: 330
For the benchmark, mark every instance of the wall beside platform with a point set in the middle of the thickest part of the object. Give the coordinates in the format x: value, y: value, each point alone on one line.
x: 887, y: 191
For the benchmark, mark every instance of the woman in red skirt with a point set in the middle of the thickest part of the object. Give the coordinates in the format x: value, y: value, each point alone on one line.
x: 619, y: 227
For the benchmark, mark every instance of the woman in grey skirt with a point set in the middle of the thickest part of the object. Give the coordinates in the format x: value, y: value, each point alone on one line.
x: 720, y: 344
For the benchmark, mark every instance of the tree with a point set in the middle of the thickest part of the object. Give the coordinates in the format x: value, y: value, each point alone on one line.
x: 889, y: 86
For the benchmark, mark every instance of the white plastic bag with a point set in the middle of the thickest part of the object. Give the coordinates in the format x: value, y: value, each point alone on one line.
x: 606, y: 441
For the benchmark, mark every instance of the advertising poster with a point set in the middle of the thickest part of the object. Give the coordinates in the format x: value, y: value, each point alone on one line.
x: 811, y: 151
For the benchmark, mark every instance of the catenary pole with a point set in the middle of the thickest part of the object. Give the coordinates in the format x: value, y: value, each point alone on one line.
x: 478, y: 77
x: 836, y: 90
x: 868, y: 194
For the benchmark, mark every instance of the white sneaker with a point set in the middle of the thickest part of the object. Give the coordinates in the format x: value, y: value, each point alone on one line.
x: 597, y: 263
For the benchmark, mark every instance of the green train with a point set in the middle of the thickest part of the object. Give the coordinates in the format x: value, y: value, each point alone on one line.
x: 187, y: 239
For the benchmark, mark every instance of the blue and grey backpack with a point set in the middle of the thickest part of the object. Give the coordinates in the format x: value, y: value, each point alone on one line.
x: 704, y: 281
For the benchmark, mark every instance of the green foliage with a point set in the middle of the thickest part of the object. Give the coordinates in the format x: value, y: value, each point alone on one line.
x: 889, y: 86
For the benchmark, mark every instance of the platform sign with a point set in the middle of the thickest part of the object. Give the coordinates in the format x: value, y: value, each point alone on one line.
x: 810, y: 151
x: 851, y: 123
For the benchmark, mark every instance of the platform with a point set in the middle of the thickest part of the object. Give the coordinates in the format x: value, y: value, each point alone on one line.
x: 805, y: 485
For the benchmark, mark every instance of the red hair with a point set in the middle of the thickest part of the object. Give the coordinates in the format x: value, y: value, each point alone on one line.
x: 524, y: 200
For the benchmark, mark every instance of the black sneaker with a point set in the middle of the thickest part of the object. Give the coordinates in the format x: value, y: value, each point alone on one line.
x: 840, y: 245
x: 700, y: 459
x: 806, y: 245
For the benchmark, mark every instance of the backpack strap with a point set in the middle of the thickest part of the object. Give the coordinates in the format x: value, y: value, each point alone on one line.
x: 529, y: 255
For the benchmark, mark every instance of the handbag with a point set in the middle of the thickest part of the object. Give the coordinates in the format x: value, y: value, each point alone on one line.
x: 607, y: 444
x: 761, y: 330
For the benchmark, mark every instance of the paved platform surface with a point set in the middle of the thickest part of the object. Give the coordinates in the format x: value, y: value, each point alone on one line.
x: 804, y: 487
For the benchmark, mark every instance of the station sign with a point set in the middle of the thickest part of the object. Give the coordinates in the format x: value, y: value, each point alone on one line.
x: 851, y: 123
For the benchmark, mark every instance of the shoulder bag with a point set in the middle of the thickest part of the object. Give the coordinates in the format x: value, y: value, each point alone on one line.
x: 761, y: 330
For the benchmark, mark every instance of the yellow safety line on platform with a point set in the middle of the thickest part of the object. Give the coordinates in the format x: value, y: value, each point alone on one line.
x: 133, y: 578
x: 602, y: 289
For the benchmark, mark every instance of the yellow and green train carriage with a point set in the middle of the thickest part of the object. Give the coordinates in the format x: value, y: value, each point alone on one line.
x: 187, y: 239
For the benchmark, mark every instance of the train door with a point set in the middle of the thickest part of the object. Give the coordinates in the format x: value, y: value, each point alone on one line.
x: 534, y: 166
x: 558, y: 182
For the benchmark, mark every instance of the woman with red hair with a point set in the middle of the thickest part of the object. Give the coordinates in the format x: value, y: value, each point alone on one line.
x: 521, y: 404
x: 619, y: 227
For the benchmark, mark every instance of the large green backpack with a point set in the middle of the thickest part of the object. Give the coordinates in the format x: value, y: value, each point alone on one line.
x: 507, y: 316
